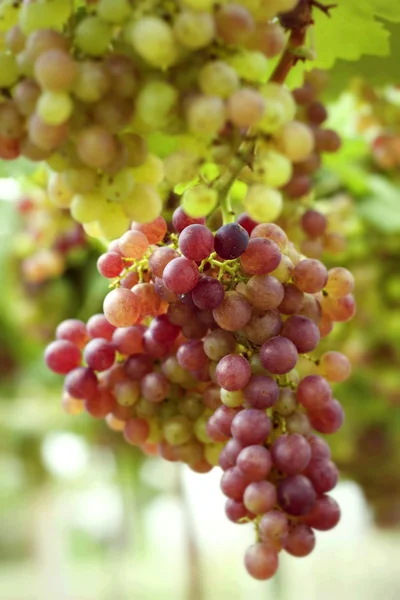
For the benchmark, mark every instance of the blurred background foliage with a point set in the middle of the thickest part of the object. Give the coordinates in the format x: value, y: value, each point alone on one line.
x: 87, y: 517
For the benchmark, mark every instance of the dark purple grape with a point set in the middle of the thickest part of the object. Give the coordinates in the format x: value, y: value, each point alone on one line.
x: 231, y: 241
x: 303, y: 332
x: 296, y: 495
x: 208, y: 293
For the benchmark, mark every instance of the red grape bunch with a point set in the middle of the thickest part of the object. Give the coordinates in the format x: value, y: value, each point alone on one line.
x: 200, y: 357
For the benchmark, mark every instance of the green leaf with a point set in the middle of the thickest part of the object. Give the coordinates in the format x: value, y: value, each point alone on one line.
x: 382, y: 208
x: 351, y: 31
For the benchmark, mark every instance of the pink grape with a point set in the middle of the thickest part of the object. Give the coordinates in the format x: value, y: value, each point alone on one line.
x: 181, y: 275
x: 255, y: 462
x: 300, y: 541
x: 260, y: 497
x: 233, y: 372
x: 110, y: 265
x: 196, y: 242
x: 81, y: 383
x: 261, y: 561
x: 74, y: 331
x: 99, y: 327
x: 62, y: 356
x: 251, y: 426
x: 291, y: 453
x: 121, y: 307
x: 278, y: 355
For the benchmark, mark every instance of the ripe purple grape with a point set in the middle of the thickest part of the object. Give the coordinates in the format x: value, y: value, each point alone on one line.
x: 196, y: 242
x: 278, y: 355
x: 261, y: 392
x: 255, y: 462
x: 296, y: 495
x: 303, y: 332
x: 231, y: 241
x: 300, y: 541
x: 328, y: 419
x: 325, y: 515
x: 251, y: 426
x: 181, y: 275
x: 81, y: 383
x: 208, y: 294
x: 291, y: 453
x: 314, y: 393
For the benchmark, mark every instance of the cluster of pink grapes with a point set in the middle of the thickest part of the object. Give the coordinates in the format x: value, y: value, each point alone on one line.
x: 207, y: 354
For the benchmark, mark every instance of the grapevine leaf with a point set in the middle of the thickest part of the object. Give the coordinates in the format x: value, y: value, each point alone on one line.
x: 381, y: 208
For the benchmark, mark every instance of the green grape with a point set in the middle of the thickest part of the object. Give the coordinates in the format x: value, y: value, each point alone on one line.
x: 54, y: 108
x: 206, y: 5
x: 296, y: 140
x: 151, y: 171
x: 93, y: 36
x: 246, y: 107
x: 206, y: 115
x: 81, y: 179
x: 194, y: 30
x: 92, y: 81
x: 177, y: 430
x: 144, y: 205
x: 59, y: 193
x: 199, y: 201
x: 232, y: 399
x: 263, y: 203
x: 217, y: 78
x: 89, y: 207
x: 272, y: 168
x: 113, y: 222
x: 155, y: 102
x: 9, y: 71
x: 181, y: 167
x: 250, y: 65
x: 275, y: 92
x: 113, y: 11
x: 200, y: 430
x: 153, y: 39
x: 117, y: 187
x: 212, y: 453
x: 8, y: 14
x: 92, y: 229
x: 49, y: 14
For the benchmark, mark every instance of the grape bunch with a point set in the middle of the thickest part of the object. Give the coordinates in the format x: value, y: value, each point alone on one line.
x: 207, y: 354
x: 48, y: 239
x: 129, y: 103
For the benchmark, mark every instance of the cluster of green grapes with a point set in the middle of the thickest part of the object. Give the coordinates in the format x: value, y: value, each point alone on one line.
x: 48, y: 239
x: 127, y: 104
x: 207, y: 354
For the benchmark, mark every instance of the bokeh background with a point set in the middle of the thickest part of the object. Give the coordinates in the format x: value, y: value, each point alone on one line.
x: 86, y: 517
